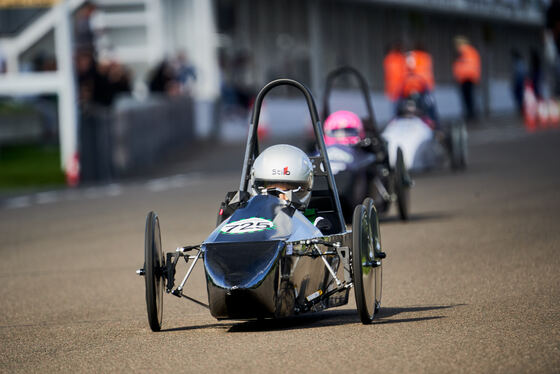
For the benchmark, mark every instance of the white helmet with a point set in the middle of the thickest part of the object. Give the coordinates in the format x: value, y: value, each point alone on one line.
x: 287, y: 166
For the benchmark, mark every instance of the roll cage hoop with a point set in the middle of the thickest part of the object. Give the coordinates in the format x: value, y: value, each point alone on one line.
x: 370, y: 125
x: 321, y: 165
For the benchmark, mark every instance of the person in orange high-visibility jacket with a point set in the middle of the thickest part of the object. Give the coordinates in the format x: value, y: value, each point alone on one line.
x: 466, y: 70
x: 419, y: 83
x: 421, y: 62
x: 394, y: 65
x: 414, y: 84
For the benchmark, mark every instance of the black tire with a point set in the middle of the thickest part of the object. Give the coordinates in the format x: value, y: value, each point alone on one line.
x: 378, y: 249
x: 458, y: 146
x: 362, y: 270
x: 153, y: 266
x: 357, y: 192
x: 464, y: 146
x: 402, y: 186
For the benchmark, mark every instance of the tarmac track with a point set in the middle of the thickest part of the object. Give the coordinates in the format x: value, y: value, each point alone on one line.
x: 471, y: 282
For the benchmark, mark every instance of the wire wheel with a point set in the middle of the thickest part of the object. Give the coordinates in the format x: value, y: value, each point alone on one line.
x: 363, y: 262
x: 153, y: 266
x: 402, y: 186
x: 458, y: 145
x: 378, y: 253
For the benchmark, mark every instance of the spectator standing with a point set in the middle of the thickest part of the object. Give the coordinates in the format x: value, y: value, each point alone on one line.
x: 83, y: 30
x: 421, y: 62
x: 466, y: 70
x: 243, y: 79
x: 185, y: 72
x: 552, y: 41
x: 394, y: 66
x: 100, y: 82
x: 3, y: 67
x: 164, y: 80
x: 536, y: 73
x: 519, y: 74
x: 419, y: 81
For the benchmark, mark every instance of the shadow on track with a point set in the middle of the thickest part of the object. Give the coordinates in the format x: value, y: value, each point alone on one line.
x: 415, y: 217
x: 335, y: 318
x: 317, y: 320
x: 389, y: 312
x: 200, y: 327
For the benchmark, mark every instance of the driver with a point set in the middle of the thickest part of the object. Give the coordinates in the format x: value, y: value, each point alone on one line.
x: 418, y: 86
x: 285, y: 171
x: 343, y: 127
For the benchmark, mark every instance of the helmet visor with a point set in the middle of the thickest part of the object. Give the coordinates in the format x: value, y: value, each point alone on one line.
x: 343, y: 133
x: 282, y: 186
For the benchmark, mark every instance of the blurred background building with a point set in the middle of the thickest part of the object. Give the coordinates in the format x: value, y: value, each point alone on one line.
x: 135, y: 57
x: 307, y: 39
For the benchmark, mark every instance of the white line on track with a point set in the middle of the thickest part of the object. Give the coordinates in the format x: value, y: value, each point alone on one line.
x: 111, y: 190
x: 46, y: 197
x: 496, y: 135
x: 175, y: 181
x: 18, y: 202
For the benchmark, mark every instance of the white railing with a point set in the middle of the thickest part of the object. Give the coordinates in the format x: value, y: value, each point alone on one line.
x: 194, y: 24
x: 146, y: 14
x: 61, y: 82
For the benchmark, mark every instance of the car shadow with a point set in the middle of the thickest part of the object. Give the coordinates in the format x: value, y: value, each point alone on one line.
x: 335, y: 317
x: 222, y: 326
x: 415, y: 217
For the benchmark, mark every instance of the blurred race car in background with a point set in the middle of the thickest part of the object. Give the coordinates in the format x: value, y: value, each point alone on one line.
x: 359, y: 155
x: 425, y: 145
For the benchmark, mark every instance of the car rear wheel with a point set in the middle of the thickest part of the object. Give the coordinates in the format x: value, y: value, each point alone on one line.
x: 153, y: 265
x: 458, y: 145
x: 402, y: 186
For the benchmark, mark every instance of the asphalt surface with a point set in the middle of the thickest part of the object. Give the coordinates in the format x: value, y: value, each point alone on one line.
x: 471, y: 283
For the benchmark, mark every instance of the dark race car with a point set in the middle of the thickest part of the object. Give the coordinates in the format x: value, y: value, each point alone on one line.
x: 266, y: 258
x: 359, y: 155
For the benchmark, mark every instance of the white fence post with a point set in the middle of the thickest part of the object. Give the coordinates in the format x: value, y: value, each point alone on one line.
x: 206, y: 61
x: 61, y: 83
x: 67, y: 98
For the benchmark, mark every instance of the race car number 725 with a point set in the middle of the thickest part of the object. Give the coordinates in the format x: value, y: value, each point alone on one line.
x: 247, y: 225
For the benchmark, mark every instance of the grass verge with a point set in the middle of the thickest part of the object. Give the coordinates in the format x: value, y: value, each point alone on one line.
x: 30, y: 166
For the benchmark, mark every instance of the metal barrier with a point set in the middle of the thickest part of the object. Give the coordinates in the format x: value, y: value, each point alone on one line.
x: 119, y: 142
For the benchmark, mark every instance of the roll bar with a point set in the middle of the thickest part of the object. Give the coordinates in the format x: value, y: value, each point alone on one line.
x: 371, y: 125
x: 252, y: 148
